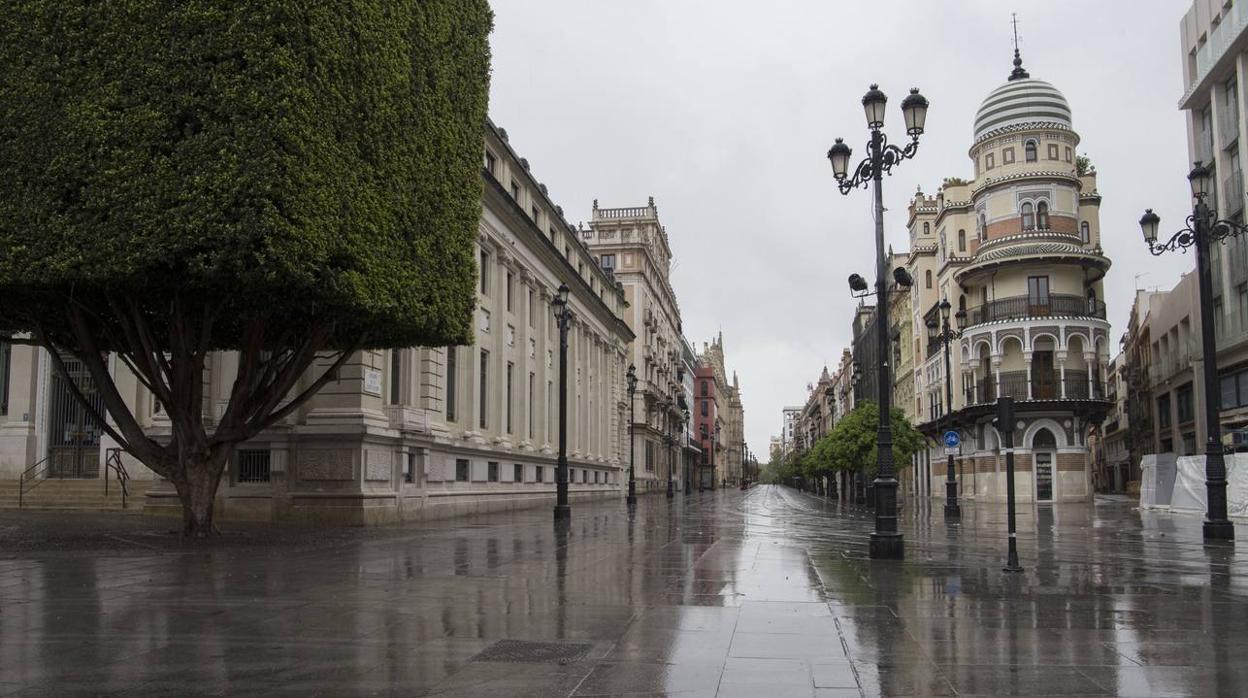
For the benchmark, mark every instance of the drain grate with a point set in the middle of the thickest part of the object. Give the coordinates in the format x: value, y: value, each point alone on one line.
x: 532, y: 652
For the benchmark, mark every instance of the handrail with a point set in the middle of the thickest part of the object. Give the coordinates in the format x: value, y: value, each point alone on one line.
x: 32, y: 475
x: 113, y: 462
x: 1024, y: 307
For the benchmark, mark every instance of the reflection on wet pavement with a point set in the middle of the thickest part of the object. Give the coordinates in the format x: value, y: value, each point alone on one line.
x: 762, y: 593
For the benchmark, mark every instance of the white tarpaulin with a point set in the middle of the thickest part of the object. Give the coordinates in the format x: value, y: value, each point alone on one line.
x: 1188, y: 482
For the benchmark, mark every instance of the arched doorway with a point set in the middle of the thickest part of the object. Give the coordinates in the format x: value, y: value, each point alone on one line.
x: 1044, y: 453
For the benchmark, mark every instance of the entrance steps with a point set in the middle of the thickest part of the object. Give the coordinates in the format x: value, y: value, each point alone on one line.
x: 75, y: 495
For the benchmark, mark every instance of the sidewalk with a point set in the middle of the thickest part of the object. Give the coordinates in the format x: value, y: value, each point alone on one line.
x: 758, y: 593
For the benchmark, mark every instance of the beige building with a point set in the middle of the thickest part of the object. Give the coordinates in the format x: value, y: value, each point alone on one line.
x: 1017, y: 247
x: 730, y: 414
x: 407, y: 433
x: 631, y: 247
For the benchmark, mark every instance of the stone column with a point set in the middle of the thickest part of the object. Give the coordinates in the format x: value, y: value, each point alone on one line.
x: 1027, y: 362
x: 1088, y: 359
x: 1061, y: 369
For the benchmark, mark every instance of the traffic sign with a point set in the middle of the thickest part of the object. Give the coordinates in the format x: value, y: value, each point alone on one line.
x: 951, y: 439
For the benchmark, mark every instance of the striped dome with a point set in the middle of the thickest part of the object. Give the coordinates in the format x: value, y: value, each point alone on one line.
x: 1021, y: 102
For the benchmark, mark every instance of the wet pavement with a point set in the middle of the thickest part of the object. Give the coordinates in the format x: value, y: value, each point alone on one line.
x: 763, y: 593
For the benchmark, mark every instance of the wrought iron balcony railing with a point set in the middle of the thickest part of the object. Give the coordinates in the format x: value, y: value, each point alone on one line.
x: 1024, y: 307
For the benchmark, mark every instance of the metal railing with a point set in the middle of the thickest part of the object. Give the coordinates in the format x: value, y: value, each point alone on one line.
x: 31, y: 478
x: 1023, y: 307
x: 113, y: 463
x: 1015, y: 384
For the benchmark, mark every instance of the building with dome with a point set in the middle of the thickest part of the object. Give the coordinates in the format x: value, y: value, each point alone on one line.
x: 1016, y: 252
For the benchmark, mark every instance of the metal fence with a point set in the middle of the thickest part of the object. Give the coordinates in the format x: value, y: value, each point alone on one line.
x: 253, y: 464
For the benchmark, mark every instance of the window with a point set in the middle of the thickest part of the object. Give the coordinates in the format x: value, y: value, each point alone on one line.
x: 596, y: 474
x: 490, y: 161
x: 537, y: 213
x: 1029, y: 216
x: 983, y: 227
x: 515, y: 191
x: 706, y: 388
x: 927, y: 278
x: 1052, y: 151
x: 532, y: 309
x: 510, y: 370
x: 517, y: 474
x: 451, y: 353
x: 509, y: 290
x: 927, y: 228
x: 540, y: 474
x: 1163, y: 411
x: 461, y: 470
x: 532, y: 378
x: 1183, y: 400
x: 990, y: 161
x: 1038, y: 292
x: 396, y: 374
x: 409, y: 473
x: 567, y: 252
x: 6, y: 351
x: 706, y: 408
x: 1029, y: 151
x: 584, y: 476
x: 1007, y: 156
x: 491, y: 471
x: 253, y: 464
x: 1085, y: 234
x: 961, y: 241
x: 485, y: 273
x: 1069, y: 154
x: 608, y: 261
x: 1042, y: 215
x: 485, y: 375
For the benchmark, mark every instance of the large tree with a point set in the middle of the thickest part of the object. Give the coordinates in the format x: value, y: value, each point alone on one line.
x: 293, y: 180
x: 851, y: 443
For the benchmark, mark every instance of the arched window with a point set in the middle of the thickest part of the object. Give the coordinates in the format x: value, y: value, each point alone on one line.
x: 1029, y: 151
x: 1092, y: 302
x: 1044, y: 439
x: 961, y: 241
x: 983, y: 227
x: 1085, y: 233
x: 927, y: 278
x: 1029, y: 217
x: 1042, y: 216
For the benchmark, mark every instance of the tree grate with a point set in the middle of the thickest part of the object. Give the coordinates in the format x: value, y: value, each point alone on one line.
x: 532, y: 652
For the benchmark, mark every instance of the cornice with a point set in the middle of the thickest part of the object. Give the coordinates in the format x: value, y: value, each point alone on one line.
x: 1027, y: 126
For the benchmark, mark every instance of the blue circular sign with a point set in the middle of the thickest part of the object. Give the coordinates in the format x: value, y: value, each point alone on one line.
x: 951, y: 439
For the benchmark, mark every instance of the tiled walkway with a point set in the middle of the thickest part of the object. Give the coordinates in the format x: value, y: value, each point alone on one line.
x: 764, y: 593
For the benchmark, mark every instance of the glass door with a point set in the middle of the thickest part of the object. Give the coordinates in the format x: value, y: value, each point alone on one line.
x: 1044, y: 477
x: 1038, y: 296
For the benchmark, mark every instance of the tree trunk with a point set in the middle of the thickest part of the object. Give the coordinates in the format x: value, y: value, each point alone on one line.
x: 197, y: 490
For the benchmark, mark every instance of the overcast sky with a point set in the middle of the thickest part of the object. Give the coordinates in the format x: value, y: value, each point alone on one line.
x: 723, y: 112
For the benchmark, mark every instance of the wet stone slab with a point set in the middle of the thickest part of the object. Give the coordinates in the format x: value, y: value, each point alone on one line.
x: 762, y: 593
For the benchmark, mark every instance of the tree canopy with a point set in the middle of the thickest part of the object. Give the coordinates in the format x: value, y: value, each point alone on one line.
x: 851, y: 443
x: 292, y: 159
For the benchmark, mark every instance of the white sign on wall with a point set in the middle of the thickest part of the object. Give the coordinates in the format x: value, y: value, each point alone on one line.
x: 372, y: 381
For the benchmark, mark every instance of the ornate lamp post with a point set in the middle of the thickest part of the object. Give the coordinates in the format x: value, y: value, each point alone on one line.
x: 563, y: 315
x: 886, y: 540
x: 685, y: 465
x: 631, y: 378
x: 947, y: 336
x: 669, y: 438
x: 1203, y: 229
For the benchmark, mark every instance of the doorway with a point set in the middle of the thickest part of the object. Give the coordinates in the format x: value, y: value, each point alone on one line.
x: 1044, y: 445
x: 73, y: 432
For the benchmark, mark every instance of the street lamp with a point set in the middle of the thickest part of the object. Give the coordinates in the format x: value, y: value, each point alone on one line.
x: 1203, y: 229
x: 631, y: 378
x: 886, y: 540
x: 685, y: 464
x: 669, y: 438
x: 563, y: 314
x: 947, y: 336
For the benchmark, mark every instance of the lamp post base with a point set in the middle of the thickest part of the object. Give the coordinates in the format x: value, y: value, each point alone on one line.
x: 631, y: 500
x: 671, y: 492
x: 563, y: 512
x: 953, y: 512
x: 1219, y: 530
x: 887, y: 546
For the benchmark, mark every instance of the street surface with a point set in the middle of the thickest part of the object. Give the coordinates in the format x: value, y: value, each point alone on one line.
x: 761, y: 593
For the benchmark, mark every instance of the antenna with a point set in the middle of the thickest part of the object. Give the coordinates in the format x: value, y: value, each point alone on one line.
x: 1018, y: 73
x: 1014, y: 19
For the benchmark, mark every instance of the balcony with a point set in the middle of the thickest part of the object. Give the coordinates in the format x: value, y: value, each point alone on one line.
x: 1043, y: 386
x: 1025, y: 307
x: 1229, y: 129
x: 1221, y: 38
